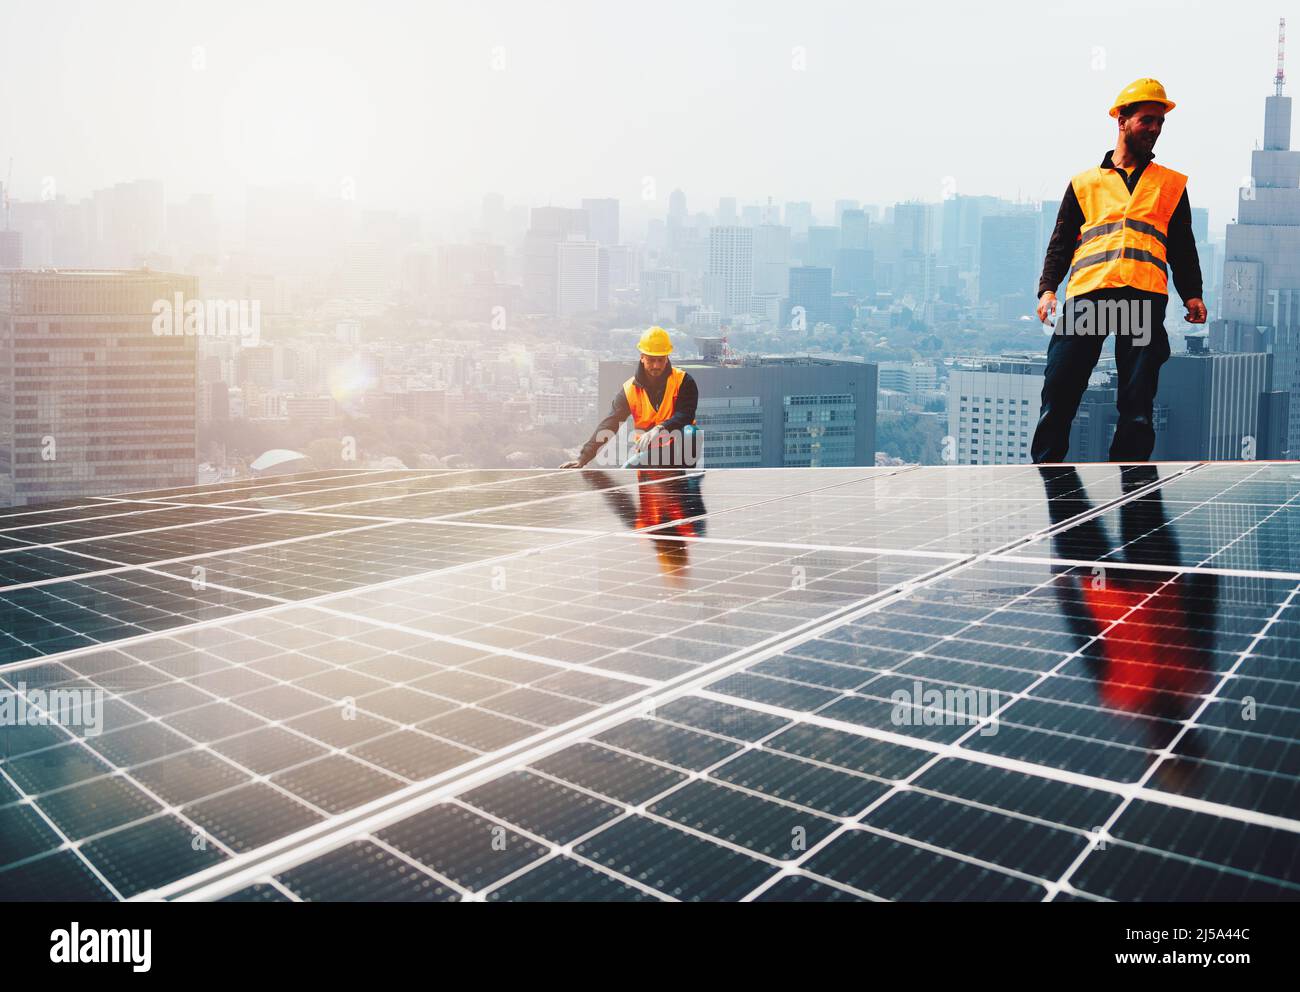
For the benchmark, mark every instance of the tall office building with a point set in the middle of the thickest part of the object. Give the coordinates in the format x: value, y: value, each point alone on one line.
x: 92, y: 401
x: 548, y: 227
x: 853, y: 228
x: 842, y: 207
x: 602, y: 220
x: 727, y: 215
x: 731, y: 270
x: 961, y: 220
x: 772, y: 260
x: 1008, y: 263
x: 993, y: 409
x: 823, y: 243
x: 578, y: 278
x: 854, y: 272
x: 810, y: 289
x: 1261, y: 269
x: 1221, y: 407
x: 778, y: 412
x: 908, y: 377
x: 798, y: 217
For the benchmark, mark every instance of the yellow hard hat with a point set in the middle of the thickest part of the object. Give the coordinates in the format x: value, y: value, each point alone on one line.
x: 1141, y: 91
x: 655, y: 342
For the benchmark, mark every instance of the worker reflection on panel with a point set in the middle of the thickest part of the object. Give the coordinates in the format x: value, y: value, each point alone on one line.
x: 1157, y: 660
x: 668, y: 499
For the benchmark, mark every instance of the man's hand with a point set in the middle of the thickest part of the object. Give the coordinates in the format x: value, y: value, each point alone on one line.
x: 573, y: 464
x: 1046, y: 307
x: 647, y: 439
x: 1195, y: 310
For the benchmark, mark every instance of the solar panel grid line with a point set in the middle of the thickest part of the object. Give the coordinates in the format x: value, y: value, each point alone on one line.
x: 1244, y: 573
x: 1063, y: 776
x: 518, y: 477
x: 749, y: 658
x: 1135, y: 493
x: 244, y: 515
x: 1167, y: 753
x: 848, y: 549
x: 66, y: 843
x: 266, y: 480
x: 271, y: 601
x: 1256, y: 526
x: 510, y: 477
x: 1194, y: 507
x: 954, y: 747
x: 741, y: 587
x: 247, y: 490
x: 644, y: 809
x: 483, y: 485
x: 557, y: 851
x: 192, y: 525
x: 322, y: 483
x: 153, y: 565
x: 592, y: 723
x: 76, y: 846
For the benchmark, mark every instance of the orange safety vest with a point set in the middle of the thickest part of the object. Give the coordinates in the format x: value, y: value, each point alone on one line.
x: 1124, y: 236
x: 644, y: 414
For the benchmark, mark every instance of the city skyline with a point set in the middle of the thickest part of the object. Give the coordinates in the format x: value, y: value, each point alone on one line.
x: 307, y: 96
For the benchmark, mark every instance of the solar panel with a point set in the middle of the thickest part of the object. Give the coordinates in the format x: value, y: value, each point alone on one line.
x: 986, y: 683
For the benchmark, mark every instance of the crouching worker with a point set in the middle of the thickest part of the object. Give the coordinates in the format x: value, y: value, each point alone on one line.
x: 661, y: 401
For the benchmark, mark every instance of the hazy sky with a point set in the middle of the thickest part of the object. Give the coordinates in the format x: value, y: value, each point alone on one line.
x: 434, y: 103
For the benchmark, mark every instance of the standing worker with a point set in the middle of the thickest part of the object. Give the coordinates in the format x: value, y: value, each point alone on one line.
x: 661, y: 401
x: 1121, y: 224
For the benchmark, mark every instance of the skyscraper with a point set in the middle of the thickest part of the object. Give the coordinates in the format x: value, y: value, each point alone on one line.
x: 853, y: 229
x: 1008, y: 263
x: 823, y: 243
x: 1220, y: 406
x: 578, y: 280
x: 92, y: 400
x: 810, y: 295
x: 772, y: 260
x: 731, y: 270
x: 992, y: 409
x: 1261, y: 269
x: 549, y: 226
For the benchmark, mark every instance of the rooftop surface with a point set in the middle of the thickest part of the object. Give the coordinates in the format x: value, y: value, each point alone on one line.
x: 870, y: 683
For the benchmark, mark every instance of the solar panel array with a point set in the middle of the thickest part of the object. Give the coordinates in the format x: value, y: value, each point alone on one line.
x: 860, y: 683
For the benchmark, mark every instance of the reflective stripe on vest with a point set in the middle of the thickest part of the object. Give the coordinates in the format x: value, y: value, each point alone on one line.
x: 1124, y: 237
x: 644, y: 414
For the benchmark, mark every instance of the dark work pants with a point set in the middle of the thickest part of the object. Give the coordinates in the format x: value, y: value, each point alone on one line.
x: 1071, y: 359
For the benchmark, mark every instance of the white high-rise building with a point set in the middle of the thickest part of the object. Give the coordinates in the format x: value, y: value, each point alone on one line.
x: 993, y: 409
x: 577, y: 277
x: 730, y: 282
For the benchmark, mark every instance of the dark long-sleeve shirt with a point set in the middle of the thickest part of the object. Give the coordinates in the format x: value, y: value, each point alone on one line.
x: 1181, y: 250
x: 688, y: 396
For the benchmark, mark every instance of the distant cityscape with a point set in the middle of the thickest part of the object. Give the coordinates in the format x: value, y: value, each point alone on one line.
x: 144, y: 346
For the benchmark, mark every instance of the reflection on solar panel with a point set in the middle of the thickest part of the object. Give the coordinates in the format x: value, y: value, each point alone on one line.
x: 806, y: 684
